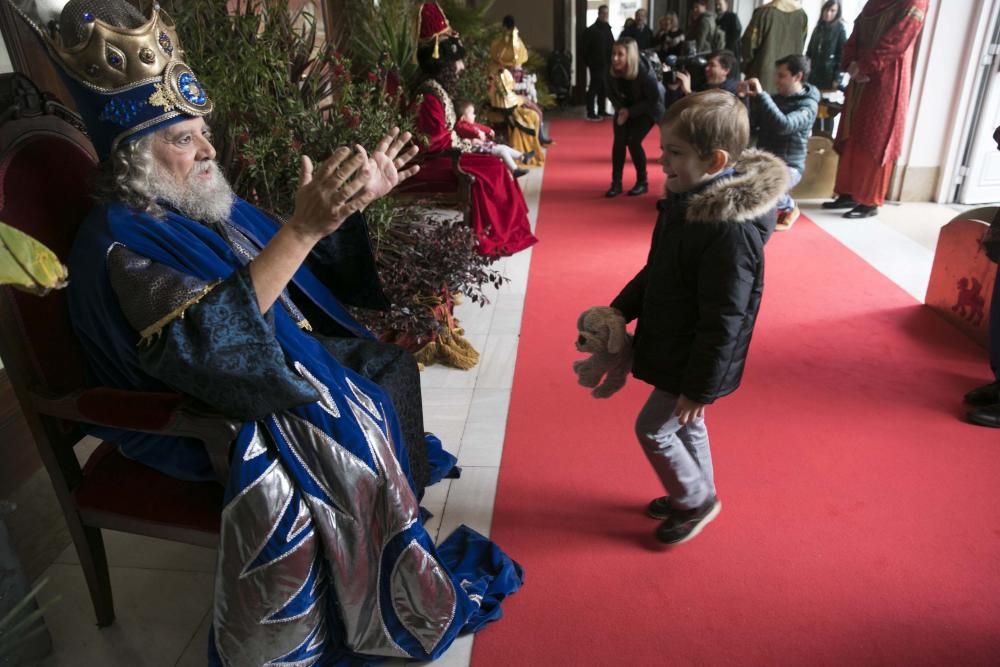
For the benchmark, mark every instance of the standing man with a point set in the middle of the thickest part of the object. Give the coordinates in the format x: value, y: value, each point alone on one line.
x: 639, y: 31
x: 597, y: 42
x: 783, y: 124
x: 776, y: 30
x: 729, y: 24
x: 878, y: 56
x: 703, y: 30
x: 986, y: 399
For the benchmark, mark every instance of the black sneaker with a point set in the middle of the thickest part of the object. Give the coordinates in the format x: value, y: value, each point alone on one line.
x: 595, y: 119
x: 683, y: 525
x: 660, y: 508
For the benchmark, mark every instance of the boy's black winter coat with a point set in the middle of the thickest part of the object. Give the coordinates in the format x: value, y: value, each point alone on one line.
x: 698, y: 295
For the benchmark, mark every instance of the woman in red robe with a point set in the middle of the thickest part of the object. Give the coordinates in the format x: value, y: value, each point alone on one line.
x: 498, y: 212
x: 879, y: 57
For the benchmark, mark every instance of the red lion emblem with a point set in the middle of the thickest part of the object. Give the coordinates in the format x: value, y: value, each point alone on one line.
x: 970, y: 302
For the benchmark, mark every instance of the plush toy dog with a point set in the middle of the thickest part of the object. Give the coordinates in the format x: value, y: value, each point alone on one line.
x: 602, y: 333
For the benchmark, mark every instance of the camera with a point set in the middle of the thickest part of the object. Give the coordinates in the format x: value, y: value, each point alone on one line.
x: 693, y: 64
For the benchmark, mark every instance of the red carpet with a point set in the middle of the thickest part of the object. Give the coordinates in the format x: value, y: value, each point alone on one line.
x: 861, y: 518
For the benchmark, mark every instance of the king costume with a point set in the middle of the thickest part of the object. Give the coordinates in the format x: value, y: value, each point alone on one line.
x: 498, y: 212
x: 323, y: 559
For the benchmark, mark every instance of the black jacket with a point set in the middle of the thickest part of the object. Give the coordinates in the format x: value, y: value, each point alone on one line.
x: 825, y: 49
x: 641, y: 96
x: 729, y: 23
x: 697, y: 297
x: 597, y: 42
x: 784, y: 124
x: 643, y: 37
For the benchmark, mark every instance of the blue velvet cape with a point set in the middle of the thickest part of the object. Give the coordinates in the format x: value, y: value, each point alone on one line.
x: 318, y: 494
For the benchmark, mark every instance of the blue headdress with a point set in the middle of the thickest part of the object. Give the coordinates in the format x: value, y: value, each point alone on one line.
x: 123, y: 68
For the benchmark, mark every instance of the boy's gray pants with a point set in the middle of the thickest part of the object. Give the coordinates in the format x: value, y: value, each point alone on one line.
x: 680, y: 455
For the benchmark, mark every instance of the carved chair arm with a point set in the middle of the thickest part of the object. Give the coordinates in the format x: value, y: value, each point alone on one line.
x: 146, y: 412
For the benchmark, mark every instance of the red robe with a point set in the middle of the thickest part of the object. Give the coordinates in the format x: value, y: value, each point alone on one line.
x: 498, y: 212
x: 870, y: 137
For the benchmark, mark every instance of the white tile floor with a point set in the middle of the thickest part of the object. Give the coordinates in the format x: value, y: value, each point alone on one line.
x: 163, y: 590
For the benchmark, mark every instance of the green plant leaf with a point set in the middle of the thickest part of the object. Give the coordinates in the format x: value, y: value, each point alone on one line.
x: 26, y: 263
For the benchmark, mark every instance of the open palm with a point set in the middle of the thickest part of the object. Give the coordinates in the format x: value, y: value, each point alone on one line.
x: 387, y: 164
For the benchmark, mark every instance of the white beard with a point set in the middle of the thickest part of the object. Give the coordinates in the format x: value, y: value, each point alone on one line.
x: 204, y: 199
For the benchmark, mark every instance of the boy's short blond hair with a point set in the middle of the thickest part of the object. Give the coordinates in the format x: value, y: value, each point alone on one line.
x: 710, y: 120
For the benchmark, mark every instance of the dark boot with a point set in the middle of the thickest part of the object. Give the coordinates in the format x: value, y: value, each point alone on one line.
x: 614, y: 190
x: 641, y: 188
x: 988, y: 394
x: 842, y: 201
x: 861, y: 211
x: 986, y: 416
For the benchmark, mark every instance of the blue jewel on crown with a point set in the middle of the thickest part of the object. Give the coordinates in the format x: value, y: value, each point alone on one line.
x: 88, y: 17
x: 121, y: 112
x: 191, y: 89
x: 165, y: 43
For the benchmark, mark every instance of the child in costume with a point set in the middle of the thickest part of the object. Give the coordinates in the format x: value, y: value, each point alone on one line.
x: 482, y: 137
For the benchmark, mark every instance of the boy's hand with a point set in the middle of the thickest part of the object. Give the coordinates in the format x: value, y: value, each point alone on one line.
x: 687, y: 410
x: 752, y: 87
x: 622, y: 116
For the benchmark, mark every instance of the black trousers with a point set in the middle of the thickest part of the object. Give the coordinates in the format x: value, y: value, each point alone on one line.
x: 630, y: 136
x: 597, y: 93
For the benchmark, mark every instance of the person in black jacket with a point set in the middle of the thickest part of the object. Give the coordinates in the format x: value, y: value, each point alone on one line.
x: 826, y: 46
x: 697, y: 297
x: 597, y: 42
x: 784, y: 123
x: 986, y: 399
x: 729, y: 23
x: 639, y: 30
x: 637, y: 96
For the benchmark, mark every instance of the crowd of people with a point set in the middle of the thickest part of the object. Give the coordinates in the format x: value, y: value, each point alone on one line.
x: 180, y: 284
x: 768, y: 65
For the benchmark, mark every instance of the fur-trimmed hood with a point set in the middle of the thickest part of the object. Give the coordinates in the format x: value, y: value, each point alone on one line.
x: 757, y: 182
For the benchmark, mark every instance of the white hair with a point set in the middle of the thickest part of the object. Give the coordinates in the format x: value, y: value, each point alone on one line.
x: 133, y: 176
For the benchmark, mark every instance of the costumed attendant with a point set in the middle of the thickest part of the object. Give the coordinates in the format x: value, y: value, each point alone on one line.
x: 523, y: 117
x: 499, y: 214
x: 638, y: 98
x: 181, y: 286
x: 776, y: 30
x: 878, y: 56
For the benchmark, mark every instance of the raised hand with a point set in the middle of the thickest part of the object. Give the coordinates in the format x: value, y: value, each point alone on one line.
x: 329, y: 194
x: 386, y: 164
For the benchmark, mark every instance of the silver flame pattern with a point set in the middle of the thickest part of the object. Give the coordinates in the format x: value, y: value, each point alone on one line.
x: 335, y: 542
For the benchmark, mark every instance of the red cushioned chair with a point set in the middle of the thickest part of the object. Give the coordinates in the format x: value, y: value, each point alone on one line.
x: 441, y: 181
x: 46, y: 166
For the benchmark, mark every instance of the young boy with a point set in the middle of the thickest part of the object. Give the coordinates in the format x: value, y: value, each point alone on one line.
x: 697, y: 297
x: 481, y: 137
x: 784, y: 123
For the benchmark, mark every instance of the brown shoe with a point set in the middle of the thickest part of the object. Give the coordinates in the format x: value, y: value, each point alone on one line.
x: 786, y: 219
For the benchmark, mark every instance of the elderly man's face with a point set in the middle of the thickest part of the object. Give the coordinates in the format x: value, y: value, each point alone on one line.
x: 640, y: 16
x: 180, y: 150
